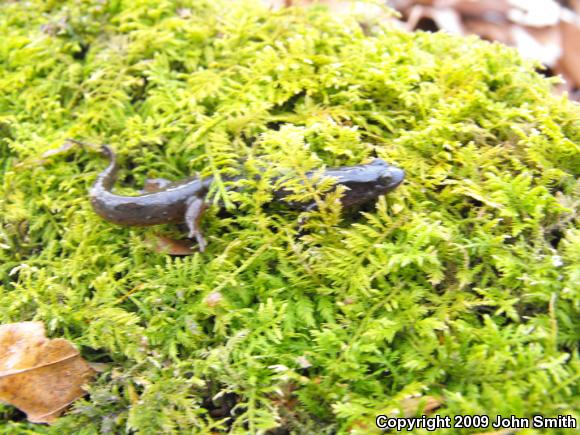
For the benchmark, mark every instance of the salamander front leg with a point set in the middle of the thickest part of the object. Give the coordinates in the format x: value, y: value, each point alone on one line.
x: 195, y: 208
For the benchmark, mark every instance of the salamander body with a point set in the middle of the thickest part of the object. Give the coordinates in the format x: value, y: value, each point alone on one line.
x: 184, y: 201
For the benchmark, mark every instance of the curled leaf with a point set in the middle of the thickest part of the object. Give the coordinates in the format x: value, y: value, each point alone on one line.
x: 39, y: 376
x: 167, y: 245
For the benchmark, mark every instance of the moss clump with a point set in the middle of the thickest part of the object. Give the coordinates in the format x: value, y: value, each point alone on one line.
x: 461, y: 284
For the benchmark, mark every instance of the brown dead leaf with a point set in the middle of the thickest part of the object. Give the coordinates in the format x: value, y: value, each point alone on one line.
x: 539, y: 13
x: 574, y: 5
x: 277, y: 4
x: 444, y: 18
x: 167, y: 245
x: 490, y: 10
x: 426, y: 404
x: 540, y: 43
x: 544, y: 30
x: 364, y: 11
x: 570, y: 60
x: 39, y: 376
x: 489, y: 31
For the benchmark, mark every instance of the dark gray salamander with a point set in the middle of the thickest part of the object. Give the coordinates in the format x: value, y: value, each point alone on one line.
x: 183, y: 201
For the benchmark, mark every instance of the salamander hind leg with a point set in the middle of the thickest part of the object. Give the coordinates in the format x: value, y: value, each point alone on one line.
x: 195, y: 209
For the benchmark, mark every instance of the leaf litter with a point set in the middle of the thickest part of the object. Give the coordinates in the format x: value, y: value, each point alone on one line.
x: 545, y: 30
x: 38, y: 375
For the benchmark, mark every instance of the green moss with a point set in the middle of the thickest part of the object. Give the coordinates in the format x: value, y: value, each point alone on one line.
x: 463, y: 283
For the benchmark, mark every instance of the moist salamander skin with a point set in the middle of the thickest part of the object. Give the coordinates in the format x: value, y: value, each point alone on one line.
x: 184, y: 201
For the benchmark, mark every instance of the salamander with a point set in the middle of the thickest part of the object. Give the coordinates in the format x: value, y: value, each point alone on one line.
x: 184, y: 201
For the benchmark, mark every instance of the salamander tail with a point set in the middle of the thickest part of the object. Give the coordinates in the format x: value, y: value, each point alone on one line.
x: 106, y: 179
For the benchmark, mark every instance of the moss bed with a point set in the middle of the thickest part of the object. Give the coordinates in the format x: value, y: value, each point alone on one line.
x: 460, y: 287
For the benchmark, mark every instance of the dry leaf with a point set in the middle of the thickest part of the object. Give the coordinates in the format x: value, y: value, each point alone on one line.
x: 277, y: 4
x: 412, y: 404
x: 39, y: 376
x: 409, y: 406
x: 449, y: 20
x: 426, y: 404
x: 444, y: 18
x: 490, y: 31
x: 574, y: 5
x: 570, y: 61
x: 542, y: 43
x: 539, y: 13
x: 167, y: 245
x: 490, y: 10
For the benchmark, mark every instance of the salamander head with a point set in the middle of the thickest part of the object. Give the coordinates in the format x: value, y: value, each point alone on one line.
x: 366, y: 183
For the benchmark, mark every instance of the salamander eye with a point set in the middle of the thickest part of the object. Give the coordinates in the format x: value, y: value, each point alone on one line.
x: 385, y: 180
